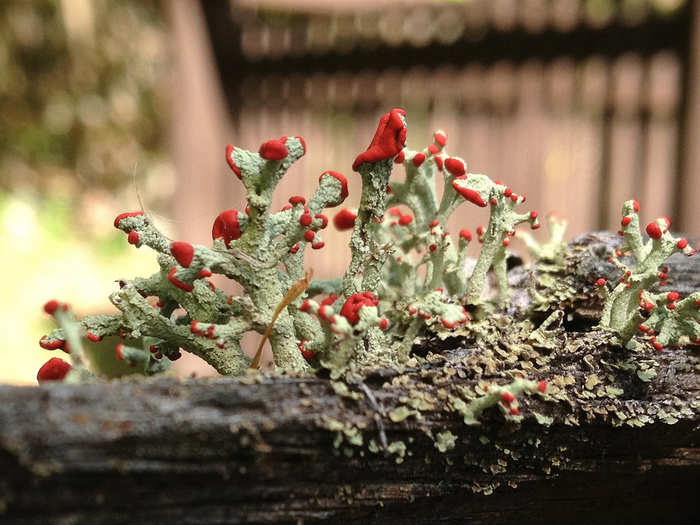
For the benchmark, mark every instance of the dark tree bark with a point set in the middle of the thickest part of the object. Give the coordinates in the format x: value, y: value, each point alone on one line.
x: 619, y: 447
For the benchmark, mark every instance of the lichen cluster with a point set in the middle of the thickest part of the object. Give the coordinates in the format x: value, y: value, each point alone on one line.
x: 630, y: 306
x: 407, y: 279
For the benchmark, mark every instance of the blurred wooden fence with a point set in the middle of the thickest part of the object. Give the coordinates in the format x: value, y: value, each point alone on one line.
x: 578, y: 104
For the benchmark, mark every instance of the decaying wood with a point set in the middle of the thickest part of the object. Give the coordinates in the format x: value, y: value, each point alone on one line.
x: 285, y: 449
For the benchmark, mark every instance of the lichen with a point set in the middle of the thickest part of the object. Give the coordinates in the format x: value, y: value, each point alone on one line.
x: 625, y: 303
x: 263, y: 251
x: 480, y: 349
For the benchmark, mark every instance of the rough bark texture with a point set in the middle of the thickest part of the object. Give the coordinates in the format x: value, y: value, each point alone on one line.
x: 286, y: 449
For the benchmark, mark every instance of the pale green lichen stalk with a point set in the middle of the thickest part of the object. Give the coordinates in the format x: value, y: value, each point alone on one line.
x: 554, y: 249
x: 502, y: 396
x: 503, y: 219
x: 625, y: 303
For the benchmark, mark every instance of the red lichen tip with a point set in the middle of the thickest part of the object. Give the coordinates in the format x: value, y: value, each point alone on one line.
x: 226, y: 227
x: 626, y: 221
x: 682, y: 243
x: 344, y: 219
x: 133, y: 237
x: 51, y: 345
x: 388, y: 140
x: 51, y: 306
x: 440, y: 138
x: 672, y: 297
x: 400, y: 158
x: 352, y: 306
x: 448, y: 324
x: 297, y: 199
x: 309, y: 235
x: 183, y: 253
x: 635, y: 205
x: 305, y: 219
x: 343, y: 185
x: 305, y: 352
x: 600, y: 282
x: 433, y: 149
x: 54, y: 369
x: 418, y: 159
x: 465, y: 234
x: 273, y: 150
x: 383, y: 323
x: 405, y: 220
x: 177, y: 282
x: 323, y: 219
x: 542, y: 386
x: 654, y: 230
x: 455, y: 166
x: 92, y: 337
x: 231, y: 162
x: 469, y: 194
x: 507, y: 398
x: 125, y: 215
x: 328, y: 301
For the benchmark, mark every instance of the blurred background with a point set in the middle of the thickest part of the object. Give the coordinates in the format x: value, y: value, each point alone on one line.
x: 109, y: 106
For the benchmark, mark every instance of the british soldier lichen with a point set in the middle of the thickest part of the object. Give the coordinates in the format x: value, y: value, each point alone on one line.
x: 629, y: 301
x: 406, y: 276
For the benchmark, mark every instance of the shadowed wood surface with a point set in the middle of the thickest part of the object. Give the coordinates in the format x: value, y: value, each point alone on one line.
x: 284, y: 449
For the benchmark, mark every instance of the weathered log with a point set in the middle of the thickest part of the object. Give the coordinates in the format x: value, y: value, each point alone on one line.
x: 387, y: 448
